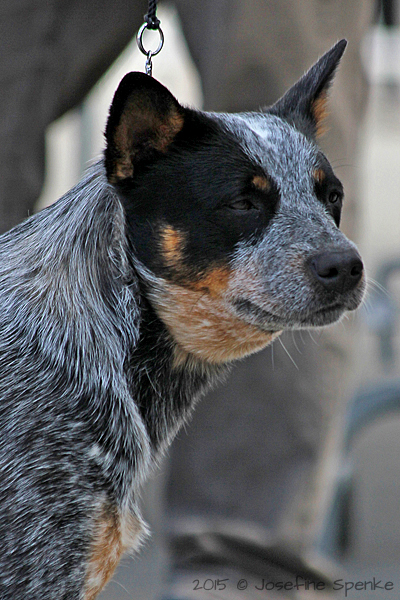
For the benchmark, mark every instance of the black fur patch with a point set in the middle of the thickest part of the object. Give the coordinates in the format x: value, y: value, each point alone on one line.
x: 203, y: 187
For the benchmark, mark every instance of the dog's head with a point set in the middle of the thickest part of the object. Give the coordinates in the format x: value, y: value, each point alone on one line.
x: 234, y: 217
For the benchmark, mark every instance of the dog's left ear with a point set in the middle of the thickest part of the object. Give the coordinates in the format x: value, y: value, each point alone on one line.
x: 144, y: 120
x: 305, y: 104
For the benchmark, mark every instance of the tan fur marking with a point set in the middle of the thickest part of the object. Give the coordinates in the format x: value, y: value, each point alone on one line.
x: 320, y: 111
x: 319, y: 175
x: 123, y: 167
x: 123, y: 171
x: 202, y: 326
x: 214, y: 281
x: 158, y: 131
x: 168, y: 130
x: 113, y: 536
x: 261, y: 183
x: 172, y: 243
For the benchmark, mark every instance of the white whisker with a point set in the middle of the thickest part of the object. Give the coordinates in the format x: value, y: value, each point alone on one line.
x: 288, y: 353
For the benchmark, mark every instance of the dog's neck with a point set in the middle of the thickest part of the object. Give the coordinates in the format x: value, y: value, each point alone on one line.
x: 172, y: 387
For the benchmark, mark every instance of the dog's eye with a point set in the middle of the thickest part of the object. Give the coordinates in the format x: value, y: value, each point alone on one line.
x: 335, y: 205
x: 242, y: 204
x: 334, y: 197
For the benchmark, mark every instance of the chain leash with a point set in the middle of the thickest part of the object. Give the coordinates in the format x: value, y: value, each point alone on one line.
x: 150, y: 22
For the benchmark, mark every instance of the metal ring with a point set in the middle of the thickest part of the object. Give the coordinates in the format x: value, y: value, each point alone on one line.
x: 140, y: 40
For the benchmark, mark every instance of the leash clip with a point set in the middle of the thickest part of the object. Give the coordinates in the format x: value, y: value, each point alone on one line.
x: 149, y: 53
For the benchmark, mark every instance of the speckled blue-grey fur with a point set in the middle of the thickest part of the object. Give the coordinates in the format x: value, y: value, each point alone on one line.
x: 62, y: 351
x: 70, y: 318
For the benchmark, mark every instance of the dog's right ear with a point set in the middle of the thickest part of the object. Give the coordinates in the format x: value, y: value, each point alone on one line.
x: 143, y: 121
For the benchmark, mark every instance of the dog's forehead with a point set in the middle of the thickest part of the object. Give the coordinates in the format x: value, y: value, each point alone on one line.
x: 281, y: 150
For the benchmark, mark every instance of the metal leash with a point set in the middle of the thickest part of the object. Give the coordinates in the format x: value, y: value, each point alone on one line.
x: 150, y: 22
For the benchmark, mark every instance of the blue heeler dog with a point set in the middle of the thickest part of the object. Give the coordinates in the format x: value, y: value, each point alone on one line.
x: 196, y: 241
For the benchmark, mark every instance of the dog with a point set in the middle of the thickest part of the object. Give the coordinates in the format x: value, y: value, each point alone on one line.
x: 195, y: 241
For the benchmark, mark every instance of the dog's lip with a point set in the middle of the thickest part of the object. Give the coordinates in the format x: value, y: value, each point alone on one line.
x: 331, y: 307
x: 249, y: 307
x: 265, y: 319
x: 257, y: 316
x: 325, y: 315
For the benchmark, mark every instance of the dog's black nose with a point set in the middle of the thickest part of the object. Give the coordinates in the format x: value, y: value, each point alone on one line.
x: 338, y: 271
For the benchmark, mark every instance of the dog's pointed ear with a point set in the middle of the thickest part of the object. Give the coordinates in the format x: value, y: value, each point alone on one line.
x: 143, y: 121
x: 305, y: 104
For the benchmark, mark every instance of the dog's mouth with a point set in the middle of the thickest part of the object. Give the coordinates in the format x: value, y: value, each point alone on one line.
x: 254, y: 314
x: 309, y: 317
x: 325, y: 315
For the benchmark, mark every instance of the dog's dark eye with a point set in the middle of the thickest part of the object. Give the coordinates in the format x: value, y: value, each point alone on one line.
x: 334, y: 197
x: 242, y: 204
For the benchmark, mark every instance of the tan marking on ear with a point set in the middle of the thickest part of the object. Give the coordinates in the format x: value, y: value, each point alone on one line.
x: 113, y: 535
x: 123, y: 167
x: 319, y: 175
x: 172, y: 244
x: 168, y: 130
x: 123, y: 171
x: 151, y: 131
x: 261, y: 183
x: 320, y: 112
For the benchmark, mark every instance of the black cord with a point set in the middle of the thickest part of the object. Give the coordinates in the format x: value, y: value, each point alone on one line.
x: 150, y: 18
